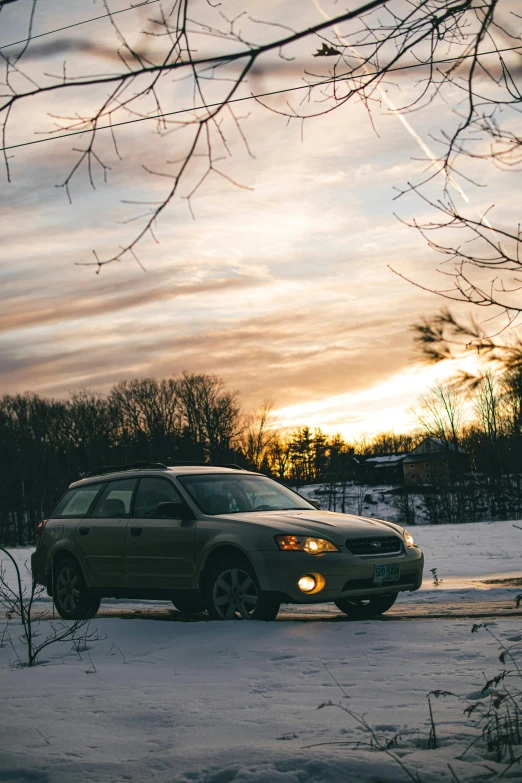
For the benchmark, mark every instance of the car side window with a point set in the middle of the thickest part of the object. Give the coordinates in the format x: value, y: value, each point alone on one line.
x: 76, y: 502
x: 151, y: 492
x: 115, y: 500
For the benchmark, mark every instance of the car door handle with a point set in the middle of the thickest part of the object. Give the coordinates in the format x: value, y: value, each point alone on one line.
x: 136, y: 531
x: 84, y: 531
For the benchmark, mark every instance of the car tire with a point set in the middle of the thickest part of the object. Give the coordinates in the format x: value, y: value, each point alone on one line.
x: 70, y: 594
x: 362, y: 608
x: 232, y: 592
x: 189, y: 605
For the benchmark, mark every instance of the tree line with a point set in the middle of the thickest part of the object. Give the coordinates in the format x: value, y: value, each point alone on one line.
x: 48, y: 443
x: 481, y: 414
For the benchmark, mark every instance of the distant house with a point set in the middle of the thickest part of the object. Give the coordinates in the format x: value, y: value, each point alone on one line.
x: 431, y: 462
x: 434, y: 462
x: 386, y: 469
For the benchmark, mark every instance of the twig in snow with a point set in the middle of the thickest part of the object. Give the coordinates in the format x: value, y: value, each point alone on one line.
x: 432, y: 738
x: 42, y: 736
x: 375, y: 739
x: 120, y: 652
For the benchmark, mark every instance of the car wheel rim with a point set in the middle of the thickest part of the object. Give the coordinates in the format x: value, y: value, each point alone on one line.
x: 68, y: 589
x: 234, y: 595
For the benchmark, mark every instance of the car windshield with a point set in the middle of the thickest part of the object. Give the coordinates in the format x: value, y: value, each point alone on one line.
x: 223, y: 493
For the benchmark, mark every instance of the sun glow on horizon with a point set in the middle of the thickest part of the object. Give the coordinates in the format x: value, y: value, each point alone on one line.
x: 382, y: 407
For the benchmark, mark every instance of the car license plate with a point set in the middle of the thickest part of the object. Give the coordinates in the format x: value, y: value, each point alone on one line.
x: 386, y: 573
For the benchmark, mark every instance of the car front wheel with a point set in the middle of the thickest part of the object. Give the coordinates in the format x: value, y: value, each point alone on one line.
x: 362, y: 608
x: 71, y: 596
x: 232, y: 593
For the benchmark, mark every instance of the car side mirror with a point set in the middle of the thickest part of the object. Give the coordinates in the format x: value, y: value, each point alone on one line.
x: 172, y: 510
x: 316, y: 503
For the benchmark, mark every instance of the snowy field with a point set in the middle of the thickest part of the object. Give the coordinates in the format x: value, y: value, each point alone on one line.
x: 378, y: 501
x: 201, y: 702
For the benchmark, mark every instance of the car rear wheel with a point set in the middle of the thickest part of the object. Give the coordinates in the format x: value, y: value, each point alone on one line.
x: 361, y: 608
x: 71, y: 596
x: 232, y: 593
x: 189, y: 605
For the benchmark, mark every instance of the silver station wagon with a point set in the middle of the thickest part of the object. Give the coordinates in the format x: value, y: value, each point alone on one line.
x: 223, y: 540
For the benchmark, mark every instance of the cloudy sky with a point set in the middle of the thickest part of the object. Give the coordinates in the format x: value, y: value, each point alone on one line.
x: 282, y: 286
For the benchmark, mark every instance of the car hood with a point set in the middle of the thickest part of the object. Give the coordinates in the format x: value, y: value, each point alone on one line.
x: 319, y: 523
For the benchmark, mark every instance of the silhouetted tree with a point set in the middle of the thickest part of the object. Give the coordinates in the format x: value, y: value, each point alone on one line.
x: 258, y: 435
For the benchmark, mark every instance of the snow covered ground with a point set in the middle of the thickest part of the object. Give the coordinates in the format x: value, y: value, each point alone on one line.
x: 378, y: 501
x: 237, y: 702
x: 202, y: 702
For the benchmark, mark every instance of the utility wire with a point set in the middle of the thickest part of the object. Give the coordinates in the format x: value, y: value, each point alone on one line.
x: 339, y: 78
x: 77, y: 24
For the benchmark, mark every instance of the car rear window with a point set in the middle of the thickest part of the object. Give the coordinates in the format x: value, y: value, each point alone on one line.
x: 76, y: 502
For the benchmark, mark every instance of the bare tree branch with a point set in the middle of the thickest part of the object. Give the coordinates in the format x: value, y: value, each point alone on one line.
x: 453, y: 45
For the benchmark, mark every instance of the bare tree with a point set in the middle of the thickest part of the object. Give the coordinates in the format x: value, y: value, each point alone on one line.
x: 210, y: 414
x: 18, y: 600
x: 146, y: 413
x: 89, y: 429
x: 481, y: 262
x: 487, y: 404
x: 218, y: 57
x: 258, y: 434
x: 279, y: 456
x: 361, y: 491
x: 512, y: 395
x: 391, y: 443
x: 439, y: 413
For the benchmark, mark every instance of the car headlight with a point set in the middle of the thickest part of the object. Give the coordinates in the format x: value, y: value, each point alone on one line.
x: 314, y: 546
x: 408, y: 539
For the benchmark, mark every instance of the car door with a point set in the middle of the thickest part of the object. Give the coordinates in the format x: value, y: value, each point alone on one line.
x: 159, y: 551
x: 101, y: 535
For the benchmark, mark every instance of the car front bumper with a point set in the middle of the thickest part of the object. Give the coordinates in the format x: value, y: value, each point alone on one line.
x: 345, y: 574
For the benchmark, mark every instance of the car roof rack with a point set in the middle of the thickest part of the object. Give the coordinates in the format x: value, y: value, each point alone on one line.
x: 190, y: 463
x: 103, y: 469
x: 180, y: 462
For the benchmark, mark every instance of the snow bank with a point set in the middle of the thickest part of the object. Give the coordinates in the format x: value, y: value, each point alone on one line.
x: 238, y: 703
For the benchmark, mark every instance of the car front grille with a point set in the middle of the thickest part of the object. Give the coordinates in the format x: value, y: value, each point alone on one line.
x: 380, y: 545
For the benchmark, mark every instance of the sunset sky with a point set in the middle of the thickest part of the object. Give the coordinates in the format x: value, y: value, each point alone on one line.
x: 284, y: 289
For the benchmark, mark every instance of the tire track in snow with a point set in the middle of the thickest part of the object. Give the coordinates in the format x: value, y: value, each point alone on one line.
x: 401, y: 612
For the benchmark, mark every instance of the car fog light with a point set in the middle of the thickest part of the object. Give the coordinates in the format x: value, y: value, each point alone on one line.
x: 306, y: 583
x: 311, y: 583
